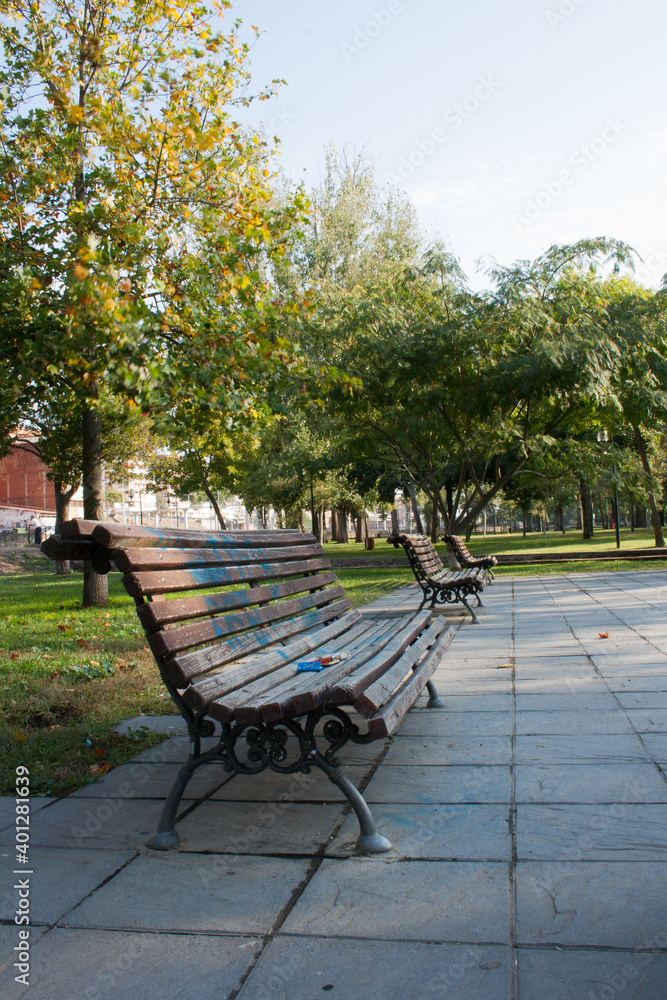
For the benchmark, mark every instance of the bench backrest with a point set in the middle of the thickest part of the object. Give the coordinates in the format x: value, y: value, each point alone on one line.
x: 421, y: 552
x: 459, y: 546
x: 268, y: 586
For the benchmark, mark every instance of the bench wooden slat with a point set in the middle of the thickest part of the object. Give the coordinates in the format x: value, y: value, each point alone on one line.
x: 182, y: 609
x: 169, y: 582
x: 349, y: 689
x: 150, y: 559
x: 176, y: 640
x: 375, y: 696
x: 186, y: 666
x: 77, y: 528
x: 288, y: 684
x: 123, y: 536
x: 385, y: 722
x: 223, y: 689
x: 301, y: 697
x: 264, y: 670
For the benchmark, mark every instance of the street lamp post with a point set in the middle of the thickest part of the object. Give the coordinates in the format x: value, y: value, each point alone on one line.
x: 603, y: 438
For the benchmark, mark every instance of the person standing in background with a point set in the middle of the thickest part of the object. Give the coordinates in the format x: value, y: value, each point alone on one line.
x: 36, y: 525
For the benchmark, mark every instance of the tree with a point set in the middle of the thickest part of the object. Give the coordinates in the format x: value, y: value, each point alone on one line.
x: 638, y: 389
x: 476, y: 386
x: 137, y: 214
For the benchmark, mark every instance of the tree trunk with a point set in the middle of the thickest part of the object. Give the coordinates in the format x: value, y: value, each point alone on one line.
x: 560, y: 520
x: 63, y: 496
x: 339, y: 527
x: 419, y: 527
x: 603, y: 519
x: 95, y: 586
x: 215, y: 505
x: 321, y: 525
x: 640, y: 445
x: 435, y: 525
x: 640, y: 516
x: 586, y: 510
x: 394, y: 521
x: 361, y: 528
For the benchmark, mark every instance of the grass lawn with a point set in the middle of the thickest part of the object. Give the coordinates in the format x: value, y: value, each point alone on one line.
x: 571, y: 541
x: 67, y: 677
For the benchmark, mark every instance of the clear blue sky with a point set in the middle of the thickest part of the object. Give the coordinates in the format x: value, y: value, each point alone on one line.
x: 511, y: 124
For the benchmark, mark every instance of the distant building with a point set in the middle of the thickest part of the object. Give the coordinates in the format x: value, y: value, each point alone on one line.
x: 23, y: 482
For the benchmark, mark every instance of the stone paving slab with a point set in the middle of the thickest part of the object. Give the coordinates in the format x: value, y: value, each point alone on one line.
x: 498, y: 702
x: 441, y: 723
x: 9, y: 939
x: 302, y: 967
x: 591, y: 904
x: 272, y: 787
x: 457, y: 750
x: 181, y: 892
x: 643, y: 699
x: 656, y: 744
x: 153, y: 781
x: 649, y: 721
x: 8, y: 808
x: 94, y: 822
x: 93, y: 964
x: 575, y: 723
x: 570, y: 974
x: 51, y: 896
x: 616, y: 832
x: 259, y: 827
x: 432, y: 783
x: 618, y: 783
x: 404, y: 900
x: 564, y: 702
x: 441, y: 832
x: 579, y: 750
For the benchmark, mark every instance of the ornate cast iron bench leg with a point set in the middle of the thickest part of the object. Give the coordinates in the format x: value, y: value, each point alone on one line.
x: 475, y: 619
x: 434, y: 699
x: 370, y: 841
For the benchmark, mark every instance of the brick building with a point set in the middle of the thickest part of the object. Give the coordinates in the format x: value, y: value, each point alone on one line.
x: 23, y: 482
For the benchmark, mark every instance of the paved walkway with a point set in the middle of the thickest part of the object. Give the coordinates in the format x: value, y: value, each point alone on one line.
x: 528, y: 817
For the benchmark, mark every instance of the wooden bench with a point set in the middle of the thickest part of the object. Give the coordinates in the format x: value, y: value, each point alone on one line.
x: 228, y: 656
x: 464, y: 558
x: 438, y: 584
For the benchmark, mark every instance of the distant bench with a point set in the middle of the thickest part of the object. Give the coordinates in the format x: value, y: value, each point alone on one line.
x: 439, y: 585
x: 229, y: 656
x: 465, y: 559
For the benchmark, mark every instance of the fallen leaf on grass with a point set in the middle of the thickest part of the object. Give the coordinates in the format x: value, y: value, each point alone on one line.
x: 100, y: 768
x: 603, y: 635
x: 19, y: 736
x: 14, y: 656
x: 64, y: 628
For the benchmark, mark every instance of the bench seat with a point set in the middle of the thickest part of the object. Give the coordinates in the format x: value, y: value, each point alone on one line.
x: 438, y: 584
x: 229, y: 615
